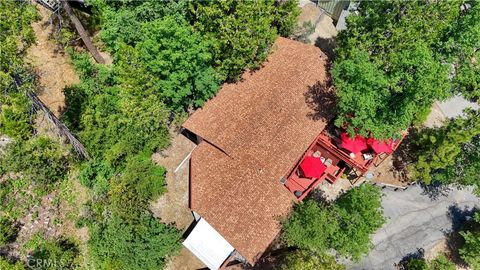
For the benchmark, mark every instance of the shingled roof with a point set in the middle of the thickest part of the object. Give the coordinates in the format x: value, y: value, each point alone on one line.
x: 253, y: 132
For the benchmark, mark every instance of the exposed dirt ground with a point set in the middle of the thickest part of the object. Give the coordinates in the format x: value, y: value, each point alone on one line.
x: 172, y: 207
x: 385, y: 173
x: 53, y: 68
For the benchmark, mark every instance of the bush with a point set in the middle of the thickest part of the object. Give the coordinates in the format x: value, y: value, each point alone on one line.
x: 439, y: 263
x: 131, y: 246
x: 8, y: 230
x: 140, y: 182
x: 52, y: 254
x: 39, y: 160
x: 303, y: 260
x: 15, y: 116
x: 4, y: 264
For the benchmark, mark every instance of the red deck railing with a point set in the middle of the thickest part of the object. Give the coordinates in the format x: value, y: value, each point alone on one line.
x: 329, y: 148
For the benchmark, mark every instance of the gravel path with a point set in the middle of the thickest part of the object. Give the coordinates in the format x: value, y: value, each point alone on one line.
x: 416, y: 219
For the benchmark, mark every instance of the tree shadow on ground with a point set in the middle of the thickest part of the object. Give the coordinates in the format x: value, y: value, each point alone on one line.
x: 321, y: 99
x: 461, y: 220
x: 435, y: 190
x: 327, y: 45
x: 417, y: 255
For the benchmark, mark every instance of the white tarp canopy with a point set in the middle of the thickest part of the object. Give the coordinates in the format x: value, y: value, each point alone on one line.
x: 208, y: 245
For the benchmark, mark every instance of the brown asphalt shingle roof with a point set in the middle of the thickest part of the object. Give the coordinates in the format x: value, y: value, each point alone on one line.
x: 254, y: 131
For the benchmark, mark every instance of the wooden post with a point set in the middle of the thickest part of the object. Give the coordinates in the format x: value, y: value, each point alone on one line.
x: 83, y: 34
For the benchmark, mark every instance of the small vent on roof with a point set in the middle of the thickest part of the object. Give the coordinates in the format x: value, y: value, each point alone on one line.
x: 283, y: 180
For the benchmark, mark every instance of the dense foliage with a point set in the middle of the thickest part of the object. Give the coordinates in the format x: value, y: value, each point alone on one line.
x: 39, y: 160
x: 241, y: 32
x: 126, y: 244
x: 390, y: 66
x: 121, y: 126
x: 304, y: 260
x: 16, y: 36
x: 345, y: 226
x: 470, y: 251
x: 441, y: 151
x: 52, y: 254
x: 439, y: 263
x: 5, y: 264
x: 462, y: 46
x: 8, y: 230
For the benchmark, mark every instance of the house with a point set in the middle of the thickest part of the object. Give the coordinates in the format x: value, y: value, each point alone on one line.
x: 253, y: 139
x: 249, y: 136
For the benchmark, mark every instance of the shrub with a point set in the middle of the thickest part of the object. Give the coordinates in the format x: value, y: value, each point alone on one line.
x: 303, y: 260
x: 39, y: 160
x: 15, y: 116
x: 8, y: 230
x: 52, y: 254
x: 131, y: 246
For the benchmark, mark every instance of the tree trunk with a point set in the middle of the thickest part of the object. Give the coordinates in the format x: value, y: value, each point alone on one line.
x: 83, y: 34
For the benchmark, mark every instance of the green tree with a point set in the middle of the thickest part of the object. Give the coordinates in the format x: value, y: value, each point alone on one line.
x: 345, y: 226
x: 304, y: 260
x: 242, y: 32
x: 179, y: 63
x: 470, y: 251
x: 466, y: 167
x: 462, y: 47
x: 396, y: 46
x: 437, y: 149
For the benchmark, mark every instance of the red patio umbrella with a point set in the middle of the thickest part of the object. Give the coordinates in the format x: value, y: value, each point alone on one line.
x: 358, y: 144
x: 312, y: 167
x: 381, y: 146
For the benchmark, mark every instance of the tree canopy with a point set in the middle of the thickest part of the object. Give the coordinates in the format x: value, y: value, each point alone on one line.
x: 389, y: 69
x: 345, y: 226
x: 241, y: 32
x: 443, y: 153
x: 462, y: 47
x: 470, y: 251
